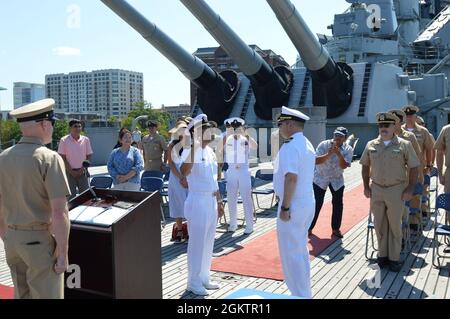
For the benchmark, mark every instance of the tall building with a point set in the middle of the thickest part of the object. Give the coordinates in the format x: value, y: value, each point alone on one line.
x: 105, y: 92
x: 4, y: 115
x: 1, y: 89
x: 25, y: 93
x: 219, y: 60
x: 176, y: 112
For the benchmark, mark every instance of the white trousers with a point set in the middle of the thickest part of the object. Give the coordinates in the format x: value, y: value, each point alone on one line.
x: 239, y: 180
x: 200, y: 210
x: 293, y: 246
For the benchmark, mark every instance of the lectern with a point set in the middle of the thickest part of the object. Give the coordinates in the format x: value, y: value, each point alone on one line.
x: 115, y: 239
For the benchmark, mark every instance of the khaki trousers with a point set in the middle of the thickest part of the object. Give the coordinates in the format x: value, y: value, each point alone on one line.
x: 153, y: 165
x: 77, y: 185
x: 416, y: 201
x: 387, y: 208
x: 29, y: 255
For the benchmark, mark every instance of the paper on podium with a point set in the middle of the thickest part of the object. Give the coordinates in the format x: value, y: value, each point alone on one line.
x: 110, y: 216
x: 104, y: 216
x: 84, y: 213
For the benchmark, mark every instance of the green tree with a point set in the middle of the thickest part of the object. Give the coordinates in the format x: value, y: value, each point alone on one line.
x: 145, y: 108
x: 112, y: 120
x: 9, y: 130
x: 61, y: 129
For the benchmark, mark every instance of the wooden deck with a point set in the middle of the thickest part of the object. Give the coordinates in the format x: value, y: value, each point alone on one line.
x: 340, y: 271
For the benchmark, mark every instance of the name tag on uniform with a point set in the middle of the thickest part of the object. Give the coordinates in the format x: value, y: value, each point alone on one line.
x: 372, y: 150
x: 418, y: 135
x: 396, y: 151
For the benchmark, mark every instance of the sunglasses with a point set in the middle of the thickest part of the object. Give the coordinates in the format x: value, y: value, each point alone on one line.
x: 76, y: 126
x: 384, y: 125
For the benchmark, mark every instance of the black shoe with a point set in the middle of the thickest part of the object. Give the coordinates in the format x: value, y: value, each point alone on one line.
x: 179, y: 239
x: 383, y: 262
x: 395, y: 266
x: 338, y: 233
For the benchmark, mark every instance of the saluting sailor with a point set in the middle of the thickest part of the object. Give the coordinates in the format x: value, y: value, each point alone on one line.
x: 293, y: 184
x: 34, y: 223
x: 237, y: 149
x: 203, y: 205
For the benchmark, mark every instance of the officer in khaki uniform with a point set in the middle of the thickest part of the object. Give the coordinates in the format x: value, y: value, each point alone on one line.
x: 426, y: 148
x: 425, y: 208
x: 34, y: 222
x: 400, y: 132
x: 392, y: 165
x: 154, y: 146
x: 442, y: 146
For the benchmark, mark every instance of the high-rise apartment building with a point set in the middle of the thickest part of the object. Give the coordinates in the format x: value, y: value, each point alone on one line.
x: 105, y: 92
x: 26, y: 93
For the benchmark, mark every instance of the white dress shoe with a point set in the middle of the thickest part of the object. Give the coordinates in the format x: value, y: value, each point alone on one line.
x: 211, y: 286
x: 248, y: 231
x: 199, y: 291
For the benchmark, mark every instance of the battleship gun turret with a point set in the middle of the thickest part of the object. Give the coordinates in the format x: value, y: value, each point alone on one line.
x: 332, y: 81
x: 216, y: 91
x: 271, y: 85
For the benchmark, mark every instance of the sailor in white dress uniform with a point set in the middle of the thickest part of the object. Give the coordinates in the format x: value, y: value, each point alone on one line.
x: 203, y: 205
x: 237, y: 148
x: 293, y: 184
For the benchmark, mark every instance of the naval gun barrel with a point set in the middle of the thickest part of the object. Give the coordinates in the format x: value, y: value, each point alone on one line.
x: 216, y: 92
x: 332, y: 82
x: 271, y: 86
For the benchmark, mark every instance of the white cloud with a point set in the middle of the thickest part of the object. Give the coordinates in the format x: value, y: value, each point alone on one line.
x: 66, y: 51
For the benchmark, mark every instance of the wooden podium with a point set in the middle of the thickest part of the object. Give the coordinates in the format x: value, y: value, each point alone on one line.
x: 118, y: 248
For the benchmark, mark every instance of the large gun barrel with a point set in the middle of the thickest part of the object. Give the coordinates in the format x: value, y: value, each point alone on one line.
x: 216, y: 93
x: 332, y: 82
x: 271, y: 86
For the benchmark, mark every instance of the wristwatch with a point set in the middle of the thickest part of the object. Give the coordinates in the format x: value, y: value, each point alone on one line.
x: 285, y: 209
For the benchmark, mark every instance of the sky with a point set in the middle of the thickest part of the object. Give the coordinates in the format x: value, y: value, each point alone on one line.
x: 60, y: 36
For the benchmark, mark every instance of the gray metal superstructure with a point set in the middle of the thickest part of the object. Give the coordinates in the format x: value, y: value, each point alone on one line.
x: 382, y: 54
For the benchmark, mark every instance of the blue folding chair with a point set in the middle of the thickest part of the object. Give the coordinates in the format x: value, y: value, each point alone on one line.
x: 370, y: 237
x: 166, y: 183
x: 154, y: 184
x: 265, y: 177
x: 158, y: 174
x: 435, y: 174
x: 101, y: 182
x: 223, y: 194
x: 418, y: 190
x: 426, y: 198
x: 441, y: 230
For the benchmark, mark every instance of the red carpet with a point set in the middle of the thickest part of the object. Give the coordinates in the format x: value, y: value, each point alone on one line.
x: 260, y: 258
x: 6, y: 292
